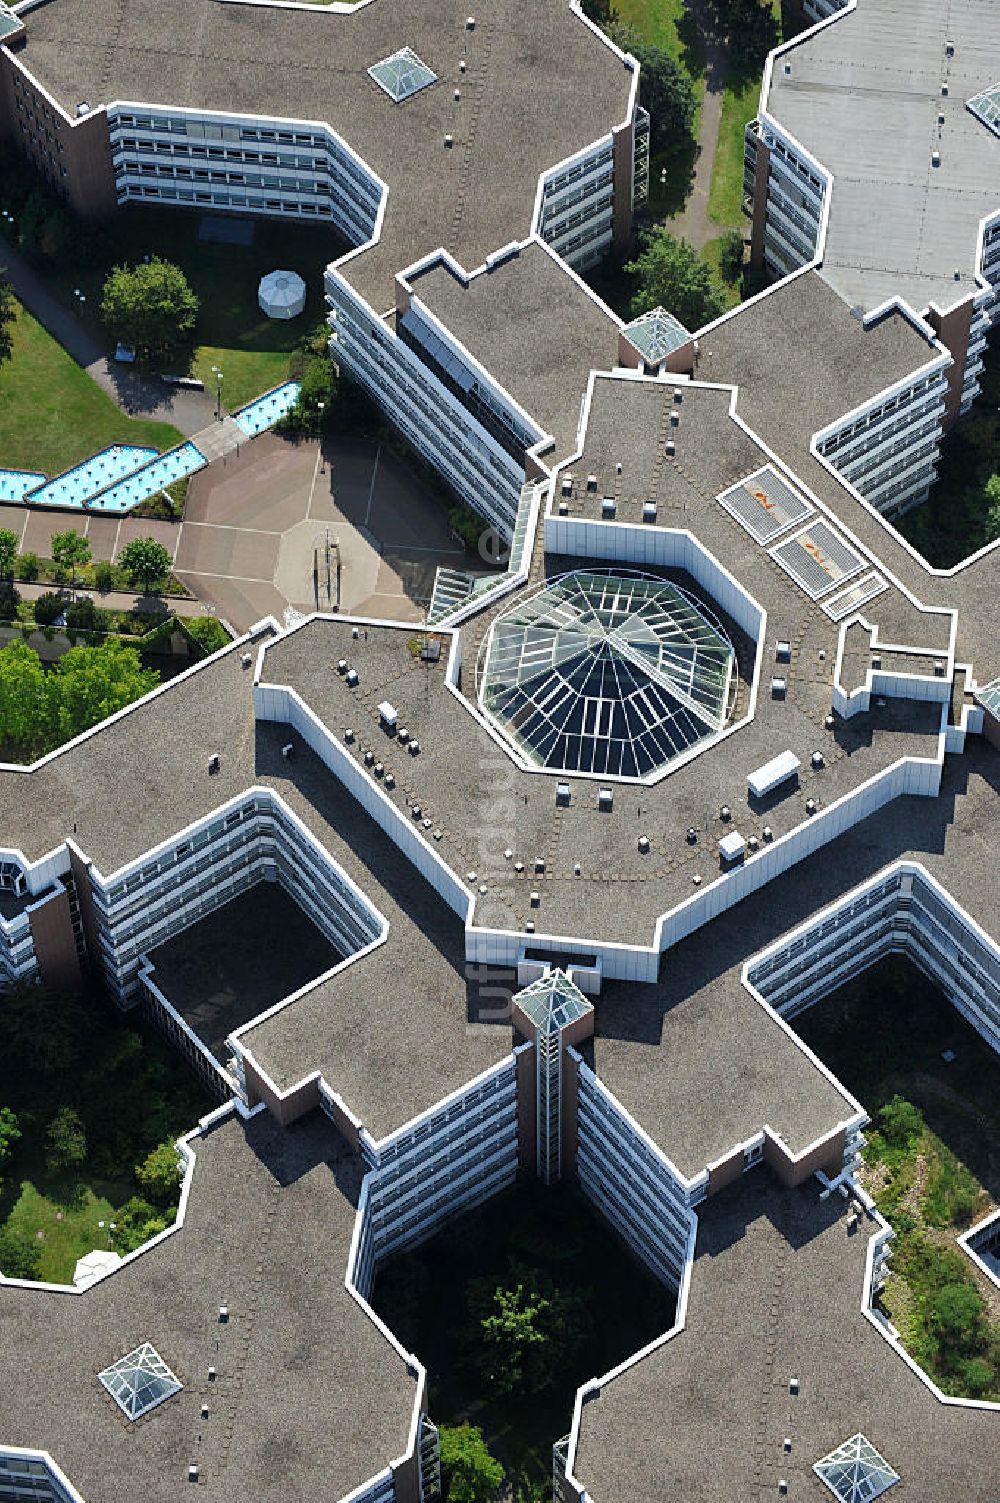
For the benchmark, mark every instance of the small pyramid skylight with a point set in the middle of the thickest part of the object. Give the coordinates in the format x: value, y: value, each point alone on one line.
x: 140, y: 1381
x: 855, y: 1472
x: 553, y: 1001
x: 656, y: 335
x: 986, y: 107
x: 402, y: 74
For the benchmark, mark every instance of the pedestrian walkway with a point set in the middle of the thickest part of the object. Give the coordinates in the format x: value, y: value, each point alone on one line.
x: 693, y: 223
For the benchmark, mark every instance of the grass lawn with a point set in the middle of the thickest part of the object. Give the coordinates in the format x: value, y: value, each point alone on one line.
x: 52, y: 414
x: 67, y: 1221
x: 725, y: 196
x: 668, y: 24
x: 252, y: 350
x: 884, y: 1035
x: 429, y: 1298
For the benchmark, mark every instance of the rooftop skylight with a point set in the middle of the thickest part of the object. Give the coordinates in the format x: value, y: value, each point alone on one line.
x: 607, y: 673
x: 855, y: 1472
x: 9, y: 22
x: 553, y: 1001
x: 402, y: 74
x: 986, y: 107
x: 656, y: 335
x: 140, y: 1381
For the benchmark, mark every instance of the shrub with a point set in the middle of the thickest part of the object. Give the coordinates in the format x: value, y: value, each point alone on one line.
x: 149, y: 307
x: 207, y: 632
x: 104, y: 576
x: 10, y: 599
x: 28, y: 567
x: 48, y: 608
x: 20, y: 1253
x: 731, y: 255
x: 84, y: 615
x: 65, y: 1141
x: 956, y: 1317
x: 135, y: 1223
x: 470, y: 1473
x: 900, y: 1123
x: 978, y: 1377
x: 158, y: 1175
x: 146, y: 562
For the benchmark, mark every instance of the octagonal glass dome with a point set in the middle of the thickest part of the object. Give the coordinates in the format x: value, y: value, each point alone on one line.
x: 607, y: 672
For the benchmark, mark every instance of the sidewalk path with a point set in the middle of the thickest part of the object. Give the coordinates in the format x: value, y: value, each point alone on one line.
x: 693, y: 223
x: 121, y: 600
x: 135, y: 394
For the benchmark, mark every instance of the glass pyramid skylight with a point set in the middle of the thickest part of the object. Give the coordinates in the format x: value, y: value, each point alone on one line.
x: 855, y: 1472
x: 986, y: 107
x: 607, y: 673
x: 656, y: 335
x: 553, y: 1001
x: 989, y: 697
x: 402, y: 74
x: 140, y: 1381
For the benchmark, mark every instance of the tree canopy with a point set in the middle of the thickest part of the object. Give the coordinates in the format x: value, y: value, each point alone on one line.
x: 8, y: 552
x: 70, y: 551
x: 39, y: 710
x: 146, y: 562
x: 149, y: 307
x: 670, y: 274
x: 666, y: 91
x: 469, y: 1473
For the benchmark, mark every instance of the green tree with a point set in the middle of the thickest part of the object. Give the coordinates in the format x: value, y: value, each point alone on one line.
x: 8, y: 553
x: 70, y: 551
x: 27, y: 566
x: 146, y: 562
x: 43, y: 1031
x: 90, y: 683
x: 666, y: 91
x: 8, y: 318
x: 149, y: 307
x: 731, y: 255
x: 159, y: 1175
x: 9, y: 1133
x: 468, y: 1471
x: 24, y: 705
x: 670, y: 274
x: 510, y: 1331
x: 65, y: 1141
x: 20, y: 1252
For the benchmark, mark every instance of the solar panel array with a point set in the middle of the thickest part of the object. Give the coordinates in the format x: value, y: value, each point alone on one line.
x: 856, y: 594
x: 986, y: 107
x: 608, y: 674
x: 765, y: 505
x: 402, y: 75
x: 817, y: 559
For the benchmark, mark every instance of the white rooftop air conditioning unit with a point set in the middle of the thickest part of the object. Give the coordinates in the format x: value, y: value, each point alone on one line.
x: 387, y: 716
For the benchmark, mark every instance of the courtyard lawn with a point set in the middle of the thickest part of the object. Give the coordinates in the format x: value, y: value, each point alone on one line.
x: 932, y: 1161
x: 52, y: 414
x: 65, y: 1224
x: 670, y: 25
x: 252, y: 350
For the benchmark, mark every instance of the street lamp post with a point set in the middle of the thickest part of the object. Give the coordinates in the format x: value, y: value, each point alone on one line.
x: 217, y: 373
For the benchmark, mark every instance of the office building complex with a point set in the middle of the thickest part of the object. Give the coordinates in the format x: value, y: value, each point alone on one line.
x: 581, y: 848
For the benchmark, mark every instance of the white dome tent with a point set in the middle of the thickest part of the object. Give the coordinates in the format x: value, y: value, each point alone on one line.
x: 282, y: 294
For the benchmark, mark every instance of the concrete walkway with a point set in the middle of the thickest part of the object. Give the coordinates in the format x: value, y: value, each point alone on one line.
x: 122, y: 600
x: 135, y: 394
x: 693, y: 223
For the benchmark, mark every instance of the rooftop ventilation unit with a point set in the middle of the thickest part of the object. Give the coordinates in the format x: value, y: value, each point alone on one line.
x: 670, y: 448
x: 649, y: 511
x: 605, y: 800
x: 779, y: 770
x: 782, y: 651
x: 618, y: 467
x: 563, y: 508
x: 414, y: 748
x: 449, y: 140
x: 732, y: 848
x: 591, y: 482
x: 817, y: 760
x: 214, y: 763
x: 678, y: 397
x: 83, y: 108
x: 643, y: 845
x: 562, y: 795
x: 287, y: 750
x: 539, y: 865
x: 352, y: 678
x: 470, y: 24
x: 246, y: 659
x: 387, y: 716
x: 935, y: 159
x: 675, y: 418
x: 608, y: 507
x: 349, y: 735
x: 779, y: 688
x: 567, y: 485
x: 342, y: 666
